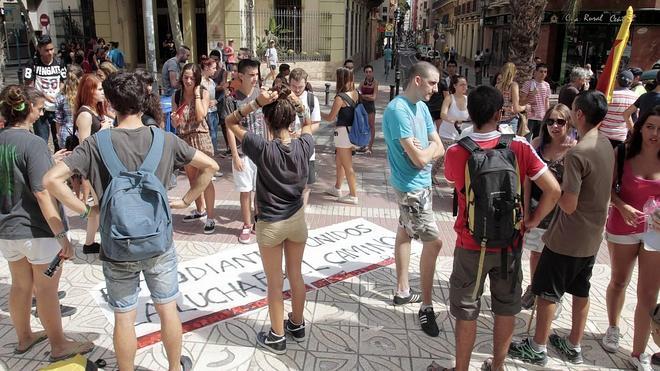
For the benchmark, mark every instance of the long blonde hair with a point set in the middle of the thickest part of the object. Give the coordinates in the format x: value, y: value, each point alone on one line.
x: 507, y: 73
x: 70, y: 89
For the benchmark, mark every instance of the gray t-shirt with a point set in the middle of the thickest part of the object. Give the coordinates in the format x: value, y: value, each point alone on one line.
x: 24, y: 159
x: 171, y: 64
x: 132, y: 146
x: 281, y: 174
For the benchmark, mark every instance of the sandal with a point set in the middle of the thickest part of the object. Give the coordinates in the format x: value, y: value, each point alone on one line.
x: 81, y: 348
x: 39, y: 337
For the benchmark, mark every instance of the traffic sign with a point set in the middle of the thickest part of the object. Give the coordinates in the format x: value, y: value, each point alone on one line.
x: 389, y: 30
x: 44, y: 20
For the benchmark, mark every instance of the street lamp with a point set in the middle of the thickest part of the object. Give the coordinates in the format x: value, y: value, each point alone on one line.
x: 397, y: 73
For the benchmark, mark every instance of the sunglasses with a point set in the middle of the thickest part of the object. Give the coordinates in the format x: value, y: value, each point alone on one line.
x: 560, y: 122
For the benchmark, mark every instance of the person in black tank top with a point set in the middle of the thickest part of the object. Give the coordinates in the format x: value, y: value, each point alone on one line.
x: 342, y: 110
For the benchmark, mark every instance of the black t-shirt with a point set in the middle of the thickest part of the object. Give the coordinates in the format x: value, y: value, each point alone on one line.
x: 48, y: 78
x: 647, y: 101
x: 435, y: 102
x: 281, y: 174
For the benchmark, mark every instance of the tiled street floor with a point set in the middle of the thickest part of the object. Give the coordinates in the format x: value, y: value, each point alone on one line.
x: 352, y: 324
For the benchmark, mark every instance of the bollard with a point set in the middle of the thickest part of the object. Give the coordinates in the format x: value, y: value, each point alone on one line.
x: 460, y: 70
x: 467, y: 71
x: 20, y: 76
x: 327, y: 93
x: 397, y: 80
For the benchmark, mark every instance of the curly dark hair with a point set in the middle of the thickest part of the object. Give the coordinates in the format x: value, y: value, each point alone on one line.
x: 634, y: 144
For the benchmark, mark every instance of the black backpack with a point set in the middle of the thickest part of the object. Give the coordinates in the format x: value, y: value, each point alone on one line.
x: 493, y: 193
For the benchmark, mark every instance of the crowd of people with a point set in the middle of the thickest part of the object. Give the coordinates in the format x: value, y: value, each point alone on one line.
x: 526, y: 175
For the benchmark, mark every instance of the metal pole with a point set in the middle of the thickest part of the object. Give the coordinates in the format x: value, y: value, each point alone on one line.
x: 327, y: 93
x: 391, y: 92
x: 150, y: 39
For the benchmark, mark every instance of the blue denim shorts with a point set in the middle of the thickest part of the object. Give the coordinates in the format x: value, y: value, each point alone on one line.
x: 122, y: 280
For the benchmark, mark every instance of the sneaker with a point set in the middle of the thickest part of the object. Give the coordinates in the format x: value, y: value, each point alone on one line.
x: 561, y: 345
x: 272, y: 342
x: 296, y: 331
x: 245, y: 236
x: 195, y: 215
x: 65, y: 310
x: 414, y: 297
x: 60, y: 296
x: 209, y: 227
x: 643, y: 363
x: 332, y: 191
x: 428, y: 323
x: 186, y: 363
x: 528, y: 299
x: 92, y: 248
x: 610, y: 341
x: 655, y: 359
x: 348, y: 199
x: 219, y: 174
x: 523, y: 350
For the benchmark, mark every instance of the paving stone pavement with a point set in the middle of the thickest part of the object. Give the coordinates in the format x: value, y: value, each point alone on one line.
x: 352, y: 324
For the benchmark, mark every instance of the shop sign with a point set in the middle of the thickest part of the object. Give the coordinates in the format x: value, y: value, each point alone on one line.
x: 586, y: 17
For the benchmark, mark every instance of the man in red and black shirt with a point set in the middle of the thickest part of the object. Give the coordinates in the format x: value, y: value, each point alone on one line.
x: 485, y: 107
x: 47, y: 74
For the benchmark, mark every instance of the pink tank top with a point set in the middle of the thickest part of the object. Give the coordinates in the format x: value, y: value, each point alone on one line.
x: 635, y: 191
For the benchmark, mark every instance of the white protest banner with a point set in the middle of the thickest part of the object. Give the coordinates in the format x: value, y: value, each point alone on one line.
x: 232, y: 282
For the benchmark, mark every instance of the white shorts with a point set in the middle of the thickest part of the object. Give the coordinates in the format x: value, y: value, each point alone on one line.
x: 650, y: 244
x: 341, y: 137
x: 246, y: 180
x: 532, y: 240
x: 36, y: 250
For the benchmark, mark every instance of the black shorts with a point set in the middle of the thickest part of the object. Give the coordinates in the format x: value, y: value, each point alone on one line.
x: 369, y: 106
x: 311, y: 174
x: 435, y: 115
x: 557, y: 274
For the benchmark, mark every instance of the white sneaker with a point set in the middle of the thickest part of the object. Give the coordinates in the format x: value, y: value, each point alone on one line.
x: 332, y: 191
x: 643, y: 363
x: 610, y: 341
x: 348, y: 199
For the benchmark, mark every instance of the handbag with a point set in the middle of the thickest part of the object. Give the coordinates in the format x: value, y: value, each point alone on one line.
x: 523, y: 129
x: 72, y: 140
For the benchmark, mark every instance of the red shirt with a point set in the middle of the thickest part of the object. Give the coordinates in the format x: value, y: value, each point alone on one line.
x: 529, y: 163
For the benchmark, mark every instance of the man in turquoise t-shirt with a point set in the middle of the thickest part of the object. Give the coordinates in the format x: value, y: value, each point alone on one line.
x: 412, y: 146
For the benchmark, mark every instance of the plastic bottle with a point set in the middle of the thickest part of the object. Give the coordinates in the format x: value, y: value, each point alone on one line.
x: 651, y: 236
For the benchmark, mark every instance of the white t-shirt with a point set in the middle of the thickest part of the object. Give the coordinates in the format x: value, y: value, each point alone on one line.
x: 271, y: 55
x: 315, y: 115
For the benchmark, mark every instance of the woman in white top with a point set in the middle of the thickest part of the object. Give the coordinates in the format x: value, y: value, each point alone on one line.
x: 454, y: 113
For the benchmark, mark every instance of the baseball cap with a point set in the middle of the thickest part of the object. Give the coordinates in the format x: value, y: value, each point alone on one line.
x: 636, y: 71
x: 625, y: 78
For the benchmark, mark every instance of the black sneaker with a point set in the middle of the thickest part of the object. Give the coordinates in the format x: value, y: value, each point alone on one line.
x: 414, y: 297
x: 193, y: 216
x: 92, y: 248
x: 428, y: 323
x: 65, y: 310
x: 561, y: 345
x: 524, y: 351
x: 272, y: 342
x: 209, y: 226
x: 296, y: 331
x: 60, y: 295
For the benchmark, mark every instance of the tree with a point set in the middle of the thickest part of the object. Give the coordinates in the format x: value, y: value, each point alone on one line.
x: 173, y: 10
x: 525, y: 29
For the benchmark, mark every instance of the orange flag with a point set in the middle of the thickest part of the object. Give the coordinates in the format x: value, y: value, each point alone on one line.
x: 607, y: 79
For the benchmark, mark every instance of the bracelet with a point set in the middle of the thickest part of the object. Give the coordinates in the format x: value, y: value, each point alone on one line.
x: 258, y: 104
x: 198, y: 97
x: 60, y: 235
x: 85, y: 214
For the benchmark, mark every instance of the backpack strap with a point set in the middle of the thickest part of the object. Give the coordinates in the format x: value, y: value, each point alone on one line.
x: 620, y: 159
x: 155, y: 151
x: 469, y: 144
x: 505, y: 140
x: 108, y: 154
x: 347, y: 99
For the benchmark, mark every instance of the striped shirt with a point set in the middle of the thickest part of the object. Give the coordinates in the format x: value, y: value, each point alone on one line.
x: 539, y: 102
x: 613, y: 125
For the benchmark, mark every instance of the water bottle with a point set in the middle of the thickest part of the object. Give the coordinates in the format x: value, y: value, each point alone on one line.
x: 651, y: 236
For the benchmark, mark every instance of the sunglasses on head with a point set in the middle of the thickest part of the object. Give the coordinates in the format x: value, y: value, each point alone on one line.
x: 560, y: 122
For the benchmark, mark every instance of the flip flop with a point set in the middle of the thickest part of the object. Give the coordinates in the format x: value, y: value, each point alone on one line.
x: 39, y: 337
x: 80, y: 349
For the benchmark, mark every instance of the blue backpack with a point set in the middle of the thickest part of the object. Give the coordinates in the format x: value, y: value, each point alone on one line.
x: 136, y: 221
x: 359, y: 133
